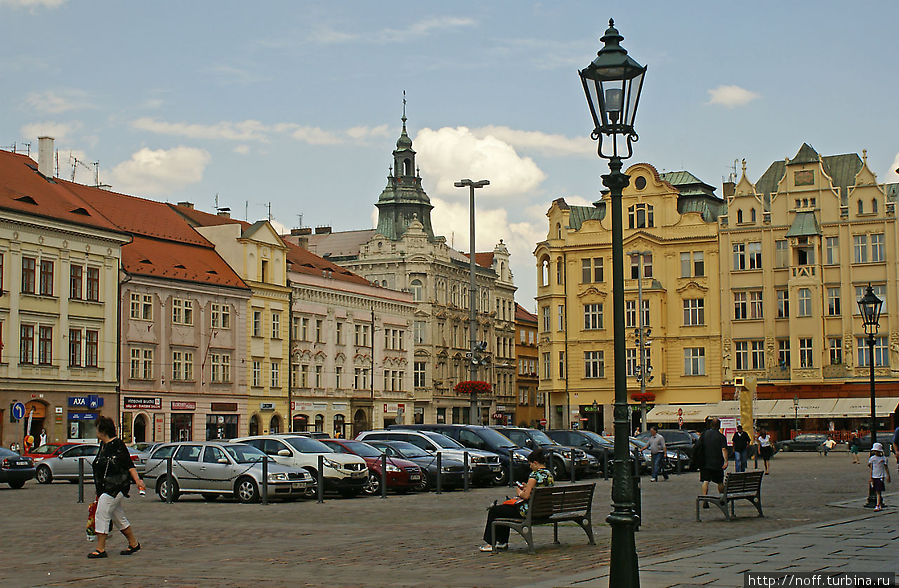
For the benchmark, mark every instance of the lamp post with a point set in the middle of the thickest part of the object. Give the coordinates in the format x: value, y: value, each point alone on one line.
x: 612, y: 83
x: 642, y: 333
x: 796, y: 413
x: 870, y: 306
x: 595, y: 417
x: 474, y: 348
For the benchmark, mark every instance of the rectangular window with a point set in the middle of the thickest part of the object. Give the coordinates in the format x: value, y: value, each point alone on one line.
x: 221, y: 367
x: 74, y: 347
x: 833, y: 301
x: 630, y: 356
x: 754, y: 254
x: 758, y: 354
x: 26, y: 344
x: 879, y: 291
x: 304, y: 375
x: 45, y: 345
x: 594, y: 364
x: 781, y: 253
x: 418, y: 332
x: 685, y: 265
x: 257, y: 323
x: 646, y: 313
x: 562, y: 365
x: 91, y: 348
x: 835, y: 345
x: 694, y: 312
x: 806, y: 359
x: 546, y: 322
x: 739, y: 256
x: 28, y: 275
x: 338, y: 332
x: 319, y: 370
x: 182, y: 312
x: 561, y: 316
x: 740, y: 306
x: 276, y: 374
x: 783, y: 353
x: 783, y: 304
x: 221, y: 316
x: 182, y: 365
x: 76, y: 277
x: 630, y: 313
x: 276, y: 325
x: 147, y: 364
x: 418, y: 374
x: 592, y: 316
x: 881, y: 352
x: 257, y: 374
x: 755, y: 304
x: 741, y: 354
x: 860, y: 248
x: 338, y: 377
x: 635, y: 266
x: 832, y: 250
x: 878, y: 247
x: 805, y: 302
x: 547, y: 367
x: 135, y: 363
x: 93, y: 284
x: 591, y: 270
x: 694, y: 361
x: 319, y: 331
x: 698, y: 264
x: 46, y: 278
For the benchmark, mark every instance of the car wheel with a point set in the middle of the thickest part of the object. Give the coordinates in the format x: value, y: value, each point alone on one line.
x: 246, y: 490
x: 423, y: 484
x: 43, y: 475
x: 501, y: 477
x: 558, y: 470
x: 372, y: 485
x: 17, y: 484
x: 164, y: 486
x: 210, y: 497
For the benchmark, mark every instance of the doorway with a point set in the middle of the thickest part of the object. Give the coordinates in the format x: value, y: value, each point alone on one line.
x: 140, y: 429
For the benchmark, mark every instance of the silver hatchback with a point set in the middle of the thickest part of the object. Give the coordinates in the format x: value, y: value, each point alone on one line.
x: 214, y: 469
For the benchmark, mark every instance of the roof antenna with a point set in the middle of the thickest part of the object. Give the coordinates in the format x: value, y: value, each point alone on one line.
x: 300, y: 218
x: 269, y: 207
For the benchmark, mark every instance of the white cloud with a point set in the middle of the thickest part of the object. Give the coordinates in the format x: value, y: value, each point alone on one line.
x: 731, y: 96
x: 56, y: 102
x: 892, y: 174
x: 315, y: 136
x: 363, y: 132
x: 159, y: 172
x: 57, y: 130
x: 544, y: 143
x: 242, y: 149
x: 422, y: 28
x: 247, y: 130
x: 32, y: 3
x: 449, y: 154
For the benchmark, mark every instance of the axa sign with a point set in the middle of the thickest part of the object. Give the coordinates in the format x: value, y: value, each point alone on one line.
x: 91, y: 401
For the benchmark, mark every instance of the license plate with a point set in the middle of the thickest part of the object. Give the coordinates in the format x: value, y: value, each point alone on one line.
x: 21, y: 463
x: 495, y: 468
x: 298, y: 485
x: 414, y: 477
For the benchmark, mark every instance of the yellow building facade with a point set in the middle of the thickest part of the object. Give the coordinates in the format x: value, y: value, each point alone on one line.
x: 671, y: 254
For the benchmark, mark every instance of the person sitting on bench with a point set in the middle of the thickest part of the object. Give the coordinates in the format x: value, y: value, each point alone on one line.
x: 518, y: 507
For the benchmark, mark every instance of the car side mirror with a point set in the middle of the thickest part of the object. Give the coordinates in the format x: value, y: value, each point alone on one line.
x: 223, y: 460
x: 58, y: 457
x: 529, y: 443
x: 284, y: 452
x: 588, y: 445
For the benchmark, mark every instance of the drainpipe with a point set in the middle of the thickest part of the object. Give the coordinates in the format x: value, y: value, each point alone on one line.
x: 290, y: 374
x: 567, y: 418
x: 123, y: 279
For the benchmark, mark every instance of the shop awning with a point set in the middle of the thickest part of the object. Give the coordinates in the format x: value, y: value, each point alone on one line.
x: 861, y: 407
x: 667, y: 413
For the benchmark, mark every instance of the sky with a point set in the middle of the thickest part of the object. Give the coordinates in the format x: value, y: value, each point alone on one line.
x: 298, y: 104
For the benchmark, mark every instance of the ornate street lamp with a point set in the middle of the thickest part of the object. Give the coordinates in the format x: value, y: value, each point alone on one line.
x: 612, y: 83
x: 870, y: 306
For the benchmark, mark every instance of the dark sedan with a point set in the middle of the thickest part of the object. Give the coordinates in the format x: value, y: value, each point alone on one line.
x: 805, y: 442
x: 15, y: 469
x: 452, y: 475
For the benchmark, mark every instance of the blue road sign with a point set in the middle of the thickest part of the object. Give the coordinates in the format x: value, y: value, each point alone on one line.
x: 18, y: 411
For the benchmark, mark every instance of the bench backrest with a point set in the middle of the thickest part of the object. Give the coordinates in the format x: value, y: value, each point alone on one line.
x: 547, y: 501
x: 741, y: 482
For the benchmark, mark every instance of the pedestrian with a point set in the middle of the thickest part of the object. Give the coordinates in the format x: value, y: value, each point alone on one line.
x: 713, y: 451
x: 880, y: 471
x: 740, y: 441
x: 43, y: 437
x: 518, y: 507
x: 113, y: 473
x: 828, y: 445
x: 766, y: 450
x: 854, y: 447
x: 657, y: 451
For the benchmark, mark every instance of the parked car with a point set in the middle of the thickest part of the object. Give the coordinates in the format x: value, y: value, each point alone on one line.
x: 219, y: 468
x: 47, y: 450
x: 64, y: 466
x: 346, y: 474
x: 402, y: 474
x: 587, y: 441
x: 803, y: 442
x: 146, y: 447
x: 452, y: 470
x: 312, y: 434
x: 15, y: 469
x: 562, y: 456
x: 884, y: 437
x: 679, y: 447
x: 485, y: 439
x: 485, y: 466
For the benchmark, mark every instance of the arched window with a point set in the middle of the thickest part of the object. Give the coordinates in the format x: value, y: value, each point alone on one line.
x: 874, y: 205
x: 739, y: 216
x: 407, y: 167
x: 752, y: 215
x: 861, y: 206
x: 558, y: 230
x: 417, y: 290
x: 320, y: 422
x: 639, y: 216
x: 560, y: 271
x: 254, y: 425
x: 339, y: 424
x: 455, y: 295
x: 544, y: 272
x: 274, y: 426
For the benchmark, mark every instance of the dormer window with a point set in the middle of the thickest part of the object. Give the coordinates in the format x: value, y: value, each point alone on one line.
x: 739, y: 216
x: 874, y: 205
x: 861, y: 206
x: 752, y: 215
x: 639, y: 216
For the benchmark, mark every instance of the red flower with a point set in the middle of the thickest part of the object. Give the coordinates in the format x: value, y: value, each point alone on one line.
x: 472, y: 386
x: 643, y: 397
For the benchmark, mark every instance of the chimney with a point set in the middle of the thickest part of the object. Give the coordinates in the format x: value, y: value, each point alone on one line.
x: 186, y: 204
x: 45, y: 156
x: 301, y: 231
x: 224, y: 213
x: 324, y: 230
x: 728, y: 188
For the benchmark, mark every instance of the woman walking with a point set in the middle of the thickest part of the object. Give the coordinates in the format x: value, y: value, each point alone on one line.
x: 854, y: 447
x: 113, y: 473
x: 765, y: 448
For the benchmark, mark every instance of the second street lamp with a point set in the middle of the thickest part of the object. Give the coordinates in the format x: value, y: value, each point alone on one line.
x: 870, y: 306
x: 612, y: 83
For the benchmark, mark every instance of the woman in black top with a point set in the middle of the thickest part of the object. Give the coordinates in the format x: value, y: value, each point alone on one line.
x: 113, y: 473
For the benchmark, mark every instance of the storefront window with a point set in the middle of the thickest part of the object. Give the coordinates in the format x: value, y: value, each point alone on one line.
x: 274, y: 426
x: 254, y: 425
x: 319, y: 422
x: 339, y: 423
x: 221, y: 426
x: 82, y: 425
x: 300, y: 423
x: 182, y: 427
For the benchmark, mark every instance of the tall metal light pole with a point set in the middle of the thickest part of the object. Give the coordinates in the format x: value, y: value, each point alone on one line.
x: 474, y: 360
x: 612, y: 83
x: 642, y: 333
x: 870, y: 306
x: 796, y: 413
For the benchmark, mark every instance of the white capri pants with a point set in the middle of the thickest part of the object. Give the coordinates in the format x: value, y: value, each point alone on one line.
x: 110, y: 514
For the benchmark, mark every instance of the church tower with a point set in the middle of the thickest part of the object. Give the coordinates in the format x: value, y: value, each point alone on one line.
x: 403, y: 200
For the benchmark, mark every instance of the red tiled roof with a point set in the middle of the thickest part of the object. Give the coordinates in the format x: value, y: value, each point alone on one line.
x: 24, y: 189
x: 522, y: 314
x: 302, y: 261
x: 178, y: 261
x: 205, y: 219
x: 482, y: 259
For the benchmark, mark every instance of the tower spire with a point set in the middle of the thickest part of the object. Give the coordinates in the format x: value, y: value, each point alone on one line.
x: 404, y: 112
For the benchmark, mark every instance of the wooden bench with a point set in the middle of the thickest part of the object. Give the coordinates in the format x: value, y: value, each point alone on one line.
x: 737, y: 486
x: 553, y: 505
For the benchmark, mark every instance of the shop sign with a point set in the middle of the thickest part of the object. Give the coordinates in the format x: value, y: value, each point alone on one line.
x: 266, y: 406
x: 82, y: 416
x: 58, y: 410
x: 133, y: 402
x: 500, y: 407
x: 301, y: 405
x: 390, y: 407
x: 92, y: 401
x: 222, y: 406
x: 183, y: 405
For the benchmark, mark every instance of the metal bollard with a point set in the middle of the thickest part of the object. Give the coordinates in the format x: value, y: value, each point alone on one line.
x: 511, y: 470
x: 439, y: 473
x: 80, y: 480
x: 168, y: 480
x: 638, y: 499
x: 265, y: 480
x: 573, y: 474
x: 680, y: 465
x: 383, y: 475
x: 320, y: 482
x: 465, y: 471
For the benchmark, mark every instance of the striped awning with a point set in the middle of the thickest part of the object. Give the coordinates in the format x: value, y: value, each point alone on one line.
x: 775, y: 409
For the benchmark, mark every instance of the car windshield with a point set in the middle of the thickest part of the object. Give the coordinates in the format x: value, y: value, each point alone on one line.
x: 307, y: 445
x: 639, y: 442
x: 676, y: 436
x: 443, y: 441
x: 409, y: 450
x: 595, y: 437
x: 495, y: 439
x: 243, y: 453
x: 542, y: 438
x: 45, y: 449
x: 360, y: 448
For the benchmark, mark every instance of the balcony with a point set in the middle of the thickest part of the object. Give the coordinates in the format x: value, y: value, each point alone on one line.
x: 803, y: 271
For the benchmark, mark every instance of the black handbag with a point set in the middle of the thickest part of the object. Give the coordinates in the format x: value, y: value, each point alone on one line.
x: 115, y: 481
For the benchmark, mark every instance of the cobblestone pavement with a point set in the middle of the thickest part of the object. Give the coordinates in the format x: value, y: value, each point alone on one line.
x: 413, y: 540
